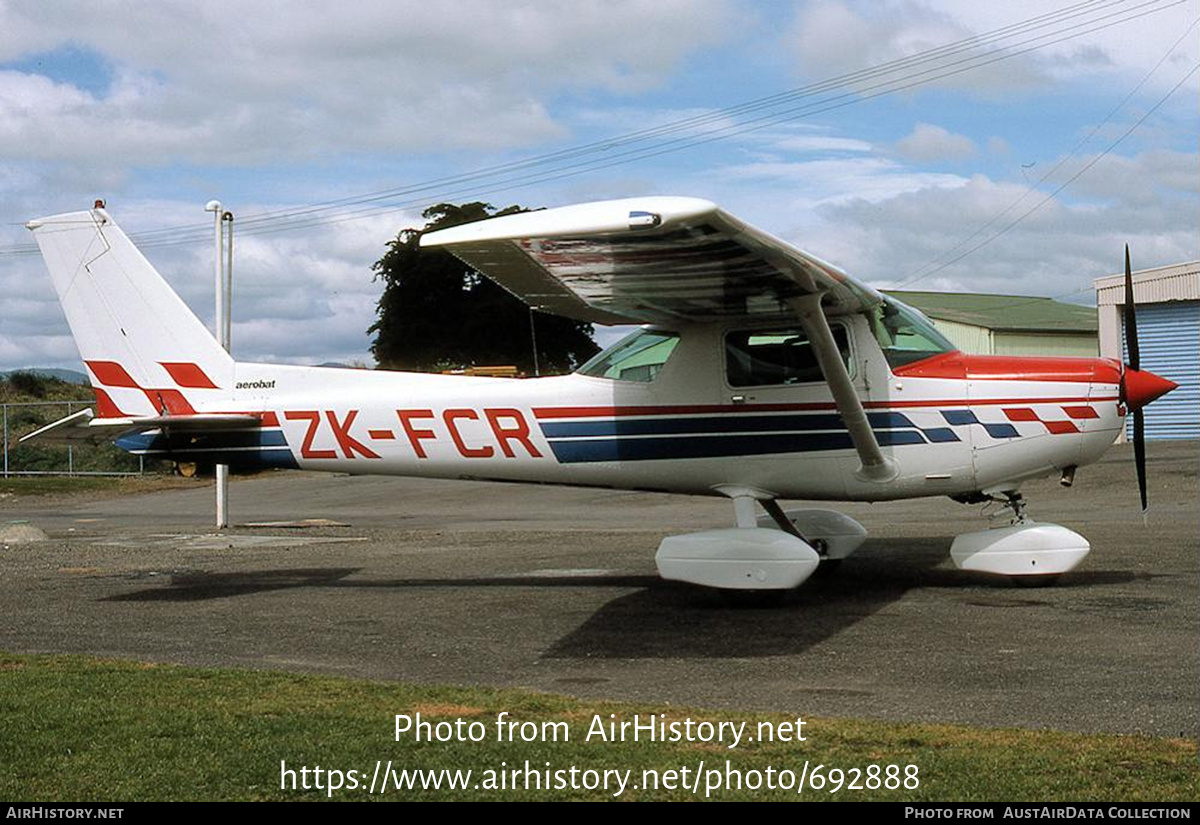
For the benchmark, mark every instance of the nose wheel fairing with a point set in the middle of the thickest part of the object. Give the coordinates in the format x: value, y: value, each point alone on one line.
x: 1026, y: 549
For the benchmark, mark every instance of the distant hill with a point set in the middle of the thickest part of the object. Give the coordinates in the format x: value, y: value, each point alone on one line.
x: 70, y: 376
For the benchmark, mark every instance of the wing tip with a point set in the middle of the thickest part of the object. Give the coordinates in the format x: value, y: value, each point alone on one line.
x: 593, y: 217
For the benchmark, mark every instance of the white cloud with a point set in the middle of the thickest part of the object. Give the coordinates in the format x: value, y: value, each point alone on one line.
x: 312, y: 102
x: 929, y: 143
x: 832, y: 37
x: 1129, y: 49
x: 821, y: 143
x: 299, y: 297
x: 818, y: 182
x: 1157, y: 176
x: 246, y: 83
x: 1055, y: 251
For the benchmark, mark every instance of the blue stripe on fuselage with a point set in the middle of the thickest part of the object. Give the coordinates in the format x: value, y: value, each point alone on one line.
x: 244, y: 449
x: 713, y: 424
x: 717, y: 446
x: 645, y: 439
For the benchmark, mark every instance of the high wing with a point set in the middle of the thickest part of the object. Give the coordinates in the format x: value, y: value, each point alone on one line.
x: 666, y: 260
x: 653, y: 259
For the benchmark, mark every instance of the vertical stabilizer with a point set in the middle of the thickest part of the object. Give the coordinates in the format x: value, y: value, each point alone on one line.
x: 146, y: 352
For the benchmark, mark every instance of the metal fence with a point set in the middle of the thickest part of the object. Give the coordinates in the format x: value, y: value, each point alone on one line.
x: 33, y: 459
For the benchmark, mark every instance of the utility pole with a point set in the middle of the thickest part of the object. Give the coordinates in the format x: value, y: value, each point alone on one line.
x: 221, y: 325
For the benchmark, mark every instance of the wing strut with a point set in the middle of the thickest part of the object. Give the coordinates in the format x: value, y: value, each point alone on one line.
x: 875, y: 465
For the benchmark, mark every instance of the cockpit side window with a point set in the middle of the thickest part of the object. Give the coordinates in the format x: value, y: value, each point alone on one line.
x: 638, y: 357
x: 768, y: 357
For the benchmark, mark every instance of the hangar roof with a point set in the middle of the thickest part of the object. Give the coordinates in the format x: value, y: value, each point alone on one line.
x: 1005, y: 313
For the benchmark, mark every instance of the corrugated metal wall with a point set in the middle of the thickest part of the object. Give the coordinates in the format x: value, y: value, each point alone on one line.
x: 970, y: 339
x: 1035, y: 343
x: 983, y: 341
x: 1179, y: 282
x: 1169, y: 341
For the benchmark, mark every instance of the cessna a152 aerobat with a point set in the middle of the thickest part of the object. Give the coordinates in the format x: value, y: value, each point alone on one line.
x: 760, y: 374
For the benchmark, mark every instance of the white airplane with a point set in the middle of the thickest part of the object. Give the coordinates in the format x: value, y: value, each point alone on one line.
x: 761, y: 374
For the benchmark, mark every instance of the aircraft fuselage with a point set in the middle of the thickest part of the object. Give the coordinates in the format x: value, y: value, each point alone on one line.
x: 952, y: 423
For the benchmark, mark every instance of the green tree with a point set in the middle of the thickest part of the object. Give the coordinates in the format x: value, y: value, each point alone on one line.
x: 437, y: 312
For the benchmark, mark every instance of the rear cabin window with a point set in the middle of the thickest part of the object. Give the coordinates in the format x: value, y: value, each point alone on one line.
x: 755, y: 358
x: 638, y: 357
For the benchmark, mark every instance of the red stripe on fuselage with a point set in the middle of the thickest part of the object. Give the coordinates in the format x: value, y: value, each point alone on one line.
x: 710, y: 409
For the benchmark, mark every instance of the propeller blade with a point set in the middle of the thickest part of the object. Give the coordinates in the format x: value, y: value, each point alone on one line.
x: 1139, y: 454
x: 1138, y: 389
x: 1131, y: 336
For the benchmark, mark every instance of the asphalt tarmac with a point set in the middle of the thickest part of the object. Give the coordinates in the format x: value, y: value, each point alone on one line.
x: 554, y: 589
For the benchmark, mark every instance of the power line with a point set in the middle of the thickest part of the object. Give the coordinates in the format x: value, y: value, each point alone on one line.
x: 678, y: 144
x: 857, y: 95
x: 1087, y: 166
x: 607, y: 145
x: 920, y: 273
x: 722, y: 124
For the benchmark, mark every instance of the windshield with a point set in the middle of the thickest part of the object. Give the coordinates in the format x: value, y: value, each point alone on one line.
x: 905, y: 335
x: 637, y: 357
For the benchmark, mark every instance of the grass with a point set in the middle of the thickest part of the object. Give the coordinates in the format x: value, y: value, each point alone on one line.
x: 83, y: 729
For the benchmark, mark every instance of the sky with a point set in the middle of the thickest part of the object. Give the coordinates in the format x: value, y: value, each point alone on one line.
x: 929, y: 144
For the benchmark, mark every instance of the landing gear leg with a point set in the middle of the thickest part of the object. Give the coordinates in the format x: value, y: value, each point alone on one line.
x: 828, y: 565
x: 1015, y: 502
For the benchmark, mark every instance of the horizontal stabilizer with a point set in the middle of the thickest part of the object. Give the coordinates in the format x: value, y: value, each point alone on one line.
x: 83, y: 426
x: 78, y: 427
x: 199, y: 422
